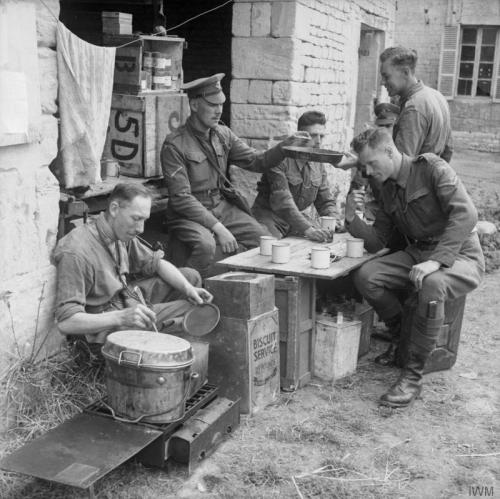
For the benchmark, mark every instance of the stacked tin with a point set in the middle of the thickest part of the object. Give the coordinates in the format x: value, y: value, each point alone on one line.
x: 162, y: 78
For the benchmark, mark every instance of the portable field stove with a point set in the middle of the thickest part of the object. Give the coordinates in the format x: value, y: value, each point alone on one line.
x: 93, y: 443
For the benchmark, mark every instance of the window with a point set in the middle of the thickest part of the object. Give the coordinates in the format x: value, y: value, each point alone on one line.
x: 476, y: 77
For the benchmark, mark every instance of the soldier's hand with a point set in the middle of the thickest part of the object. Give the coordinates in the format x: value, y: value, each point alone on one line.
x: 348, y: 161
x: 138, y: 317
x: 226, y: 240
x: 199, y: 296
x: 419, y: 271
x: 351, y: 204
x: 320, y: 235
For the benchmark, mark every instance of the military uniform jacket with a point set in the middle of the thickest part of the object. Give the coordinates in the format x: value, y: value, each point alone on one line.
x: 424, y: 123
x: 293, y: 186
x: 427, y: 203
x: 191, y: 179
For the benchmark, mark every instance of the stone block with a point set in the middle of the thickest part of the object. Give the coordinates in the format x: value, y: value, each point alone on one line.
x: 261, y: 19
x: 283, y: 19
x: 242, y: 15
x: 291, y: 93
x: 48, y: 135
x: 265, y: 59
x: 261, y: 129
x: 260, y: 92
x: 46, y: 23
x: 48, y: 79
x: 261, y: 112
x: 239, y: 91
x: 27, y: 311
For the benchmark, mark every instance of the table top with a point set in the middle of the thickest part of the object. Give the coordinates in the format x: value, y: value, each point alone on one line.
x: 300, y: 262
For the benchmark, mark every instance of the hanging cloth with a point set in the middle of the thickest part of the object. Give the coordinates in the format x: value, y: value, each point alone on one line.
x: 85, y: 74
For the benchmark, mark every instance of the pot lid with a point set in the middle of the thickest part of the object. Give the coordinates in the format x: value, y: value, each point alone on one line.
x: 147, y: 349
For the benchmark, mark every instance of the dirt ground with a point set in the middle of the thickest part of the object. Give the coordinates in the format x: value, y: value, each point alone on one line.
x: 333, y: 441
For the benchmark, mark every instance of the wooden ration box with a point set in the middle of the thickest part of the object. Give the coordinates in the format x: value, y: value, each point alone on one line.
x: 337, y: 344
x: 295, y: 298
x: 244, y: 360
x: 137, y: 128
x: 241, y: 294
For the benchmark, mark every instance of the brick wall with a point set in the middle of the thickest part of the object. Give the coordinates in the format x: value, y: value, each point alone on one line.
x: 29, y: 193
x: 297, y: 55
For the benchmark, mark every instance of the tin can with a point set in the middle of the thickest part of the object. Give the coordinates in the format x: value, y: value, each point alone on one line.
x: 159, y: 60
x: 147, y: 61
x: 159, y: 79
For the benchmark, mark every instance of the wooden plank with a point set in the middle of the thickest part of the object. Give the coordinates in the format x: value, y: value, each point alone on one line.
x: 300, y: 263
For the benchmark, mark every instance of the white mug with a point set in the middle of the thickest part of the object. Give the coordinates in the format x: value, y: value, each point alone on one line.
x: 280, y: 252
x: 328, y: 223
x: 266, y: 243
x: 320, y: 257
x: 355, y: 247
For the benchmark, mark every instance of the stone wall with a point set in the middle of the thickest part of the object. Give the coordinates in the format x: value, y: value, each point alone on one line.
x: 297, y: 55
x: 29, y: 194
x: 475, y: 121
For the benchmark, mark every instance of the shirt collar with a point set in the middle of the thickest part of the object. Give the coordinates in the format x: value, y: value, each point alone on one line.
x: 418, y: 85
x: 202, y: 135
x: 105, y: 230
x: 404, y: 171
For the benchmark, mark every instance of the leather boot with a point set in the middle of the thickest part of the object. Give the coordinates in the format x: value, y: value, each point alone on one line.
x: 409, y: 384
x: 389, y: 357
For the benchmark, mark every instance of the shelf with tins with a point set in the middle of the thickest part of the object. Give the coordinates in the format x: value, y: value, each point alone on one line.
x: 160, y: 57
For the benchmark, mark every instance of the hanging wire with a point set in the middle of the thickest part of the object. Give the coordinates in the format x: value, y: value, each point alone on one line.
x: 154, y: 34
x: 199, y: 15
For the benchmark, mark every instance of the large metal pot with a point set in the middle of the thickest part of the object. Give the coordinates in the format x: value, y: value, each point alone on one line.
x: 148, y: 375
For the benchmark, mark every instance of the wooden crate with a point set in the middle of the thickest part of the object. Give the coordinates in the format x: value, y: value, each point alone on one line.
x: 129, y: 59
x: 244, y: 360
x: 138, y: 125
x: 242, y: 295
x: 295, y: 298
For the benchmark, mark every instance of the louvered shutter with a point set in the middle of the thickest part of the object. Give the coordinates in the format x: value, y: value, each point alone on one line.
x: 496, y: 81
x: 448, y: 61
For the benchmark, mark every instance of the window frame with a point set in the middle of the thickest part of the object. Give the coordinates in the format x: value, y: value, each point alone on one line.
x: 495, y: 77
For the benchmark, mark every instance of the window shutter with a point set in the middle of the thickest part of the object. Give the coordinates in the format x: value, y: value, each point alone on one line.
x: 448, y: 61
x: 496, y: 81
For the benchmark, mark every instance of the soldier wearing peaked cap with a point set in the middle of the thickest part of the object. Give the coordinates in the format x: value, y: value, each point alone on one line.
x: 205, y: 211
x: 386, y: 114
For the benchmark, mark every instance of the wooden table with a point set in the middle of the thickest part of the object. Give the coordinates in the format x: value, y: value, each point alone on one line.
x: 295, y: 295
x: 300, y: 262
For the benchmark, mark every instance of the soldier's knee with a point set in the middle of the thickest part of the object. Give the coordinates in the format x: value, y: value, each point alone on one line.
x: 433, y: 287
x: 192, y: 276
x: 361, y: 277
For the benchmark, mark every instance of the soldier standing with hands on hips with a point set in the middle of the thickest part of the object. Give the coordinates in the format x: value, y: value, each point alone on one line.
x: 425, y: 200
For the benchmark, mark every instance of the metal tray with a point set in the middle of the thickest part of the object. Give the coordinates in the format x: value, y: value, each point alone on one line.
x: 313, y: 154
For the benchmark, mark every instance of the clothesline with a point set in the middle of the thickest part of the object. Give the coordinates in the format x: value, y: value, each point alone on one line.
x: 155, y: 34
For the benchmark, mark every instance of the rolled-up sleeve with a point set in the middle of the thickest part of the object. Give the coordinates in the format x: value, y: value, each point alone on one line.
x: 74, y: 280
x: 143, y: 260
x: 179, y: 188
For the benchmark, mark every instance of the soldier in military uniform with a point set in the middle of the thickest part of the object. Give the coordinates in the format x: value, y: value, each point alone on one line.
x: 286, y: 190
x: 204, y: 210
x: 427, y: 202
